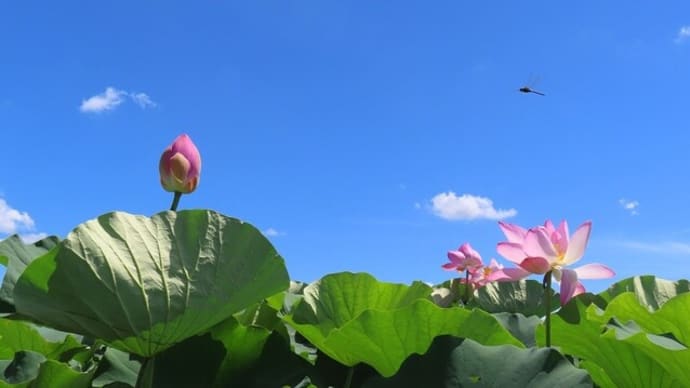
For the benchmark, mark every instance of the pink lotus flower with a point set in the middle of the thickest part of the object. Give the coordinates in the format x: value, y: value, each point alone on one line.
x: 180, y: 166
x: 546, y: 248
x: 487, y: 274
x: 464, y: 259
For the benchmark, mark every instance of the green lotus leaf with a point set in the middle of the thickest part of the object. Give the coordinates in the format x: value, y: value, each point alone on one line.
x: 243, y: 344
x: 19, y: 335
x: 651, y: 291
x: 264, y: 314
x: 341, y: 297
x: 116, y: 367
x: 143, y: 284
x: 23, y: 368
x: 620, y: 354
x: 16, y: 255
x: 56, y: 374
x: 454, y: 362
x: 671, y: 318
x: 257, y: 357
x: 525, y: 297
x: 353, y: 318
x: 573, y: 311
x: 520, y: 326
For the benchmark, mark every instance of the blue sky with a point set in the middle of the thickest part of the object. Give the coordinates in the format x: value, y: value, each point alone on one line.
x: 335, y: 124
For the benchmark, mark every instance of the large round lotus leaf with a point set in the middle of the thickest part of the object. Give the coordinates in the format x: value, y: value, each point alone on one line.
x: 144, y: 284
x: 652, y: 292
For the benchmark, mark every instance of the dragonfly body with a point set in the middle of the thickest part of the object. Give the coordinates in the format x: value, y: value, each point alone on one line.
x: 527, y: 89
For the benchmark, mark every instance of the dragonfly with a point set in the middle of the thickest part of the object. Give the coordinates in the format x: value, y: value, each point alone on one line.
x: 528, y: 87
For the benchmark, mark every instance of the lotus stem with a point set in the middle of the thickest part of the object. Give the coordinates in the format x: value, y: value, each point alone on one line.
x: 348, y: 379
x: 176, y: 201
x: 467, y: 286
x: 547, y: 305
x: 145, y: 377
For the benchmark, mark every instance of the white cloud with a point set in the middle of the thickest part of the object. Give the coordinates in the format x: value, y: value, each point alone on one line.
x: 683, y: 34
x: 271, y: 232
x: 629, y: 205
x: 467, y: 207
x: 112, y: 98
x: 107, y: 100
x: 12, y: 220
x: 665, y: 247
x: 143, y: 100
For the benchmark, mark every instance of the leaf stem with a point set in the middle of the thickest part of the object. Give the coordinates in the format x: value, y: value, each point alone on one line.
x: 547, y: 305
x: 176, y: 201
x: 348, y: 379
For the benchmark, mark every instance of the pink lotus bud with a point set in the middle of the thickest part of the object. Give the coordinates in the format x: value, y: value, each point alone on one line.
x: 180, y: 166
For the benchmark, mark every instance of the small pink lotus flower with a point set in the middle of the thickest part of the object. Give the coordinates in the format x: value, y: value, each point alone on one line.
x: 464, y: 259
x: 546, y: 248
x: 180, y: 166
x: 487, y: 274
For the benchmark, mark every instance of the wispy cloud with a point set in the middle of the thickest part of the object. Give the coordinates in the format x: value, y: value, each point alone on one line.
x: 143, y: 100
x: 449, y: 206
x: 629, y: 205
x: 108, y: 100
x: 111, y: 98
x: 683, y: 34
x: 271, y: 232
x: 14, y: 221
x: 665, y: 247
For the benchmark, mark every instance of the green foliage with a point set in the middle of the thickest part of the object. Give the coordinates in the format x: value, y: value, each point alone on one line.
x: 57, y: 374
x: 243, y: 345
x: 143, y: 284
x: 651, y: 291
x: 525, y: 297
x: 19, y: 335
x: 453, y: 362
x: 15, y: 256
x: 671, y: 319
x: 520, y: 326
x: 116, y: 367
x: 618, y: 353
x: 195, y: 298
x: 353, y: 318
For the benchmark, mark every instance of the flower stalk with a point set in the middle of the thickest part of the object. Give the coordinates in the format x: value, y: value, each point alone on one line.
x: 176, y: 201
x: 467, y: 287
x: 547, y: 306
